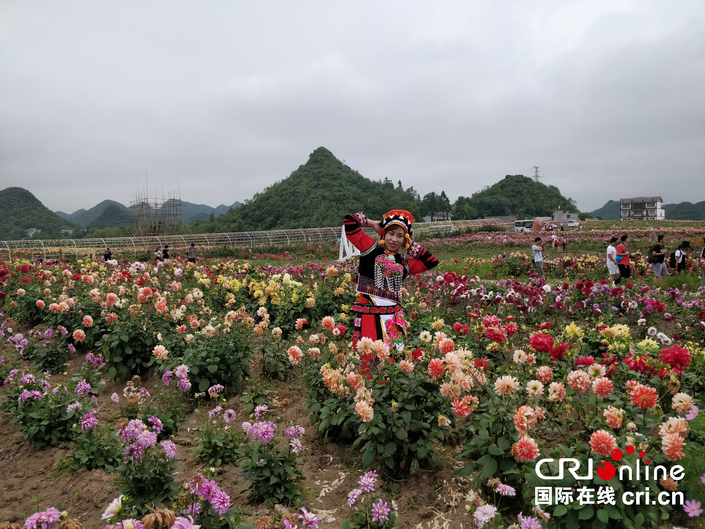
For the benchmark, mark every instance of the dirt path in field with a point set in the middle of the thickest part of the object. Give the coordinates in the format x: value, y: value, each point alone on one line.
x: 30, y: 479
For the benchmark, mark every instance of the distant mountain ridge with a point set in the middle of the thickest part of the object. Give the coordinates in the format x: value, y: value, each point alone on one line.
x: 83, y: 217
x: 20, y: 210
x: 679, y: 211
x: 110, y: 214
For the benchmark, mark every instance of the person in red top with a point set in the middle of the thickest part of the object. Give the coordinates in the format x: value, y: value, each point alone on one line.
x: 383, y: 267
x: 623, y: 262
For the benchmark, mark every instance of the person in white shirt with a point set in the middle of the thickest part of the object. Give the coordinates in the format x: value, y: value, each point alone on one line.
x: 537, y: 248
x: 612, y: 266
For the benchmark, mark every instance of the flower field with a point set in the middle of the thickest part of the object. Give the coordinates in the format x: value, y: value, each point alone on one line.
x: 226, y: 394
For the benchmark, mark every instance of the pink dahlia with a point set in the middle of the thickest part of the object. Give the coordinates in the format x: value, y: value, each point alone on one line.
x: 544, y: 374
x: 677, y: 425
x: 525, y: 449
x: 614, y: 417
x: 295, y: 354
x: 556, y: 391
x: 682, y: 402
x: 603, y: 442
x: 602, y: 386
x: 506, y: 385
x: 525, y: 418
x: 673, y: 446
x: 579, y: 380
x: 436, y: 367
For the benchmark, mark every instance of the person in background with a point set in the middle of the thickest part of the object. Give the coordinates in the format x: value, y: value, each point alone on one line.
x: 625, y: 270
x: 191, y: 253
x: 564, y: 241
x: 659, y: 252
x: 682, y: 255
x: 107, y: 255
x: 612, y: 267
x: 165, y: 254
x: 701, y: 262
x: 157, y: 255
x: 537, y: 248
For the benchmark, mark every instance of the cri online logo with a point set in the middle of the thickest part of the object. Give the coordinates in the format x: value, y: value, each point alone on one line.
x: 606, y: 469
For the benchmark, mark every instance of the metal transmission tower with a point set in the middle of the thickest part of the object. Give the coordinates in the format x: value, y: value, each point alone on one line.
x: 536, y: 173
x: 158, y: 216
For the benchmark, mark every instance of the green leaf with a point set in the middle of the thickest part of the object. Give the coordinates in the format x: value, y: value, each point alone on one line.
x: 368, y: 457
x: 560, y: 510
x: 603, y: 516
x: 112, y: 372
x: 401, y: 434
x: 389, y: 450
x: 586, y: 513
x: 639, y: 520
x: 212, y: 368
x: 613, y: 512
x: 495, y: 450
x: 489, y: 469
x: 203, y: 385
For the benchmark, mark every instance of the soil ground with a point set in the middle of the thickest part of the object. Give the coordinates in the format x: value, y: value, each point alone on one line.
x: 30, y: 479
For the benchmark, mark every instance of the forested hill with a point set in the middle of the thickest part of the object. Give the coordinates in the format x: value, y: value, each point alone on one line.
x: 21, y: 210
x: 319, y: 193
x: 609, y: 211
x: 685, y: 211
x: 514, y: 195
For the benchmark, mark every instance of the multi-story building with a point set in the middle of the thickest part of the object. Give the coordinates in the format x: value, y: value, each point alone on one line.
x: 641, y: 208
x: 563, y: 216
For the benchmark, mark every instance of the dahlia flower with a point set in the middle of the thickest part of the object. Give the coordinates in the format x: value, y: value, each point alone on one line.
x: 602, y: 442
x: 484, y: 514
x: 682, y: 402
x: 506, y: 385
x: 525, y: 449
x: 643, y: 396
x: 673, y: 446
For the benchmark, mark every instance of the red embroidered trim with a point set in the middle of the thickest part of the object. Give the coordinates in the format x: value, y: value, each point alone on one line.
x: 371, y: 309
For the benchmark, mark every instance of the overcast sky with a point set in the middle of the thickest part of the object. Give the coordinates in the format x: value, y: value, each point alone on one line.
x: 221, y: 98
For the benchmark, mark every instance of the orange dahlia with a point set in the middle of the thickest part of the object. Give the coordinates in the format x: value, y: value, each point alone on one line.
x: 644, y: 396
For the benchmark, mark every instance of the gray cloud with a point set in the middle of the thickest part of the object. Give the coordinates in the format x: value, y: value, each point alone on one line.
x: 226, y: 98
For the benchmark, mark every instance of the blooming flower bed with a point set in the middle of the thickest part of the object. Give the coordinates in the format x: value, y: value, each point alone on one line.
x: 513, y: 371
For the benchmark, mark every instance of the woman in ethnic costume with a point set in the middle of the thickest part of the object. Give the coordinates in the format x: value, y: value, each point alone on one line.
x: 383, y: 268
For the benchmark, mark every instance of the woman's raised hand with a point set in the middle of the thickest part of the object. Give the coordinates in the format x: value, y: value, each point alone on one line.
x: 374, y: 224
